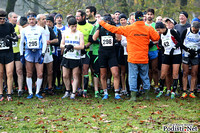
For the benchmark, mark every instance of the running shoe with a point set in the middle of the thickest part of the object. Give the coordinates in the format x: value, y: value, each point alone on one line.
x: 30, y: 96
x: 157, y: 90
x: 20, y: 93
x: 9, y: 98
x: 85, y: 94
x: 72, y: 96
x: 1, y: 97
x: 184, y: 95
x: 172, y: 95
x: 105, y: 97
x: 117, y: 97
x: 159, y: 94
x: 192, y: 95
x: 97, y: 95
x: 39, y: 96
x: 67, y: 94
x: 168, y: 93
x: 57, y: 88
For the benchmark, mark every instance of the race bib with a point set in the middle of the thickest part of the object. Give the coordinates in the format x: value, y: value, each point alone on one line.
x: 3, y: 45
x: 53, y: 49
x: 166, y: 43
x: 107, y: 41
x: 14, y: 44
x: 33, y: 43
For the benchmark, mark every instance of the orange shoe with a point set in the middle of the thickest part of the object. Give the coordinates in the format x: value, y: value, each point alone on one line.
x: 1, y: 98
x: 184, y: 95
x: 192, y: 95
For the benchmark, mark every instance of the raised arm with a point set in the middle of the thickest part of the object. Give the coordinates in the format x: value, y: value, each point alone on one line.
x: 123, y: 30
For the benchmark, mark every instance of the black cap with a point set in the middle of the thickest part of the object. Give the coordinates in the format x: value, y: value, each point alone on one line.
x: 138, y: 14
x: 117, y: 12
x: 159, y: 25
x: 122, y: 16
x: 50, y: 18
x: 58, y: 15
x: 184, y: 13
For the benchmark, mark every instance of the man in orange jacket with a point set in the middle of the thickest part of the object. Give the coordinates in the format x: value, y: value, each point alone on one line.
x: 138, y: 36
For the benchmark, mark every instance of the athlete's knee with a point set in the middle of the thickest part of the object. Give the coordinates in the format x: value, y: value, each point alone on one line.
x: 193, y: 74
x: 185, y: 73
x: 9, y: 74
x: 50, y: 72
x: 115, y: 75
x: 103, y: 76
x: 65, y: 76
x: 19, y: 72
x: 40, y: 75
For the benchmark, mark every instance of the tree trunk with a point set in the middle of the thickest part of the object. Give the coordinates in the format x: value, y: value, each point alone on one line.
x: 10, y: 6
x: 36, y: 7
x: 183, y: 3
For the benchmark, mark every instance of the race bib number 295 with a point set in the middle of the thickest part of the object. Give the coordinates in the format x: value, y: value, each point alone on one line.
x: 33, y: 43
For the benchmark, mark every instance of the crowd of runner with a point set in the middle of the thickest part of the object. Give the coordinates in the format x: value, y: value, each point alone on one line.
x: 41, y: 53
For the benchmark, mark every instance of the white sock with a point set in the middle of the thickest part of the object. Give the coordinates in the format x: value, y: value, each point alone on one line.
x: 116, y: 92
x: 39, y: 83
x: 29, y: 84
x: 105, y: 92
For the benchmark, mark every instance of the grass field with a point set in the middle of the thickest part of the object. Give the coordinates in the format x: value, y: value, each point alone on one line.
x: 53, y: 114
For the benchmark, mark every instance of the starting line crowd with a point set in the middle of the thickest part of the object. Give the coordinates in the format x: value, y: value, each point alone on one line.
x: 38, y: 50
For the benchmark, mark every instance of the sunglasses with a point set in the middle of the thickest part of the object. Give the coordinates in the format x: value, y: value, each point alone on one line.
x: 2, y: 18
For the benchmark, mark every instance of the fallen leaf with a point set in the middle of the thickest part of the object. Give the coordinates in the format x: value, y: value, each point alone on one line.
x: 18, y: 103
x: 103, y: 115
x: 60, y: 119
x: 40, y: 122
x: 157, y: 112
x: 97, y: 128
x: 107, y: 121
x: 142, y: 107
x: 164, y: 106
x: 99, y: 106
x: 117, y: 107
x: 93, y: 116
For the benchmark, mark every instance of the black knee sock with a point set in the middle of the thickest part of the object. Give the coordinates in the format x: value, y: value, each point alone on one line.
x: 162, y: 82
x: 86, y: 80
x: 175, y: 82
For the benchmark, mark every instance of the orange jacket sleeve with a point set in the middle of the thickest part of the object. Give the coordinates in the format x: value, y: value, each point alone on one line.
x: 123, y: 30
x: 154, y: 36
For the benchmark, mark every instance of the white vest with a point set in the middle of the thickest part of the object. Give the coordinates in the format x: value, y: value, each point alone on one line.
x: 72, y: 39
x: 124, y: 44
x: 168, y: 44
x: 191, y: 41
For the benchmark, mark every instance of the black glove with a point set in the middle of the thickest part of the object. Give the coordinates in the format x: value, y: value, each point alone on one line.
x: 7, y: 41
x: 198, y: 51
x: 172, y: 51
x: 85, y: 47
x: 83, y: 52
x: 192, y: 52
x: 69, y: 47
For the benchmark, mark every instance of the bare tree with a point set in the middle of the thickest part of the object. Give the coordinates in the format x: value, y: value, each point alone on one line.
x: 10, y: 6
